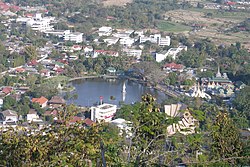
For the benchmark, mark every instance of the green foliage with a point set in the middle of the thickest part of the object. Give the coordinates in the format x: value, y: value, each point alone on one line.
x: 226, y: 139
x: 242, y: 102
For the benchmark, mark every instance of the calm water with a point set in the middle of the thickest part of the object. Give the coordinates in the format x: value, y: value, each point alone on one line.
x: 90, y: 90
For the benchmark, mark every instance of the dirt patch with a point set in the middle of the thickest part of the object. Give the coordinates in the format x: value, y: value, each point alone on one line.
x: 214, y: 27
x: 116, y: 2
x: 196, y: 17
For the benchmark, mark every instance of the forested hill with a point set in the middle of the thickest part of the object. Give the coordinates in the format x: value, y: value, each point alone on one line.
x: 92, y: 13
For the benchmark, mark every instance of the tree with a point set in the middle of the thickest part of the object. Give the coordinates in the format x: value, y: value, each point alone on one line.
x: 225, y: 138
x: 60, y: 145
x: 242, y: 102
x: 30, y: 53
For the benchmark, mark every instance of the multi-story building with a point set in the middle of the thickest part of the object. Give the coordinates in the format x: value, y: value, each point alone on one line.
x: 73, y: 36
x: 156, y: 38
x: 38, y: 23
x: 133, y: 52
x: 104, y: 31
x: 104, y: 112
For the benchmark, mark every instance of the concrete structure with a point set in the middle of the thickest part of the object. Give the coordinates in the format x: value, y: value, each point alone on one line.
x: 156, y: 38
x: 111, y: 40
x: 38, y: 23
x: 105, y: 31
x: 186, y: 125
x: 127, y: 42
x: 172, y: 52
x: 104, y: 112
x: 73, y: 36
x: 133, y: 52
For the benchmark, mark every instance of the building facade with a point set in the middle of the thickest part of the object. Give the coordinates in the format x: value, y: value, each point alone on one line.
x: 104, y: 112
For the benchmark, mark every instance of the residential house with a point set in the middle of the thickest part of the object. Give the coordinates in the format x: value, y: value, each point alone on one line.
x: 104, y: 112
x: 56, y: 101
x: 20, y: 70
x: 88, y: 122
x: 87, y: 49
x: 32, y: 63
x: 173, y: 67
x: 76, y: 47
x: 187, y: 123
x: 7, y: 90
x: 32, y: 116
x: 42, y: 101
x: 45, y: 72
x: 51, y: 113
x: 8, y: 116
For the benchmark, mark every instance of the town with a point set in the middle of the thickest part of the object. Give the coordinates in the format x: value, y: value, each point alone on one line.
x: 202, y: 70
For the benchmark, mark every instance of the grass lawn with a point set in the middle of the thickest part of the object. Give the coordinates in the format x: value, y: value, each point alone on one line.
x: 172, y: 27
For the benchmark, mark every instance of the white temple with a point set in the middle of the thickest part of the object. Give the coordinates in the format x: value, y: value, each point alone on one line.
x: 199, y: 92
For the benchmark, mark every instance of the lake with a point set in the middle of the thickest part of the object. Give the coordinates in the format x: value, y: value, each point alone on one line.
x: 90, y: 91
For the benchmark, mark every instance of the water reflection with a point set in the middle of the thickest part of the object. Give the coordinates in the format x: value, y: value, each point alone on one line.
x: 90, y: 90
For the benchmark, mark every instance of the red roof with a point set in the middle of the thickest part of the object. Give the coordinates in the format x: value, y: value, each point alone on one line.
x: 53, y: 112
x: 7, y: 90
x: 231, y: 3
x: 29, y: 15
x: 88, y: 121
x: 75, y: 119
x: 59, y: 70
x: 19, y: 70
x: 33, y: 63
x: 173, y: 66
x: 40, y: 100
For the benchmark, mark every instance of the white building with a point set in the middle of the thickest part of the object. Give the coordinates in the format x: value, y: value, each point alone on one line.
x: 32, y: 116
x: 104, y: 112
x: 133, y: 52
x: 160, y: 56
x: 174, y: 51
x: 156, y: 38
x: 123, y: 125
x: 104, y: 31
x: 73, y: 36
x: 38, y: 23
x: 8, y: 116
x: 127, y: 42
x: 111, y: 40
